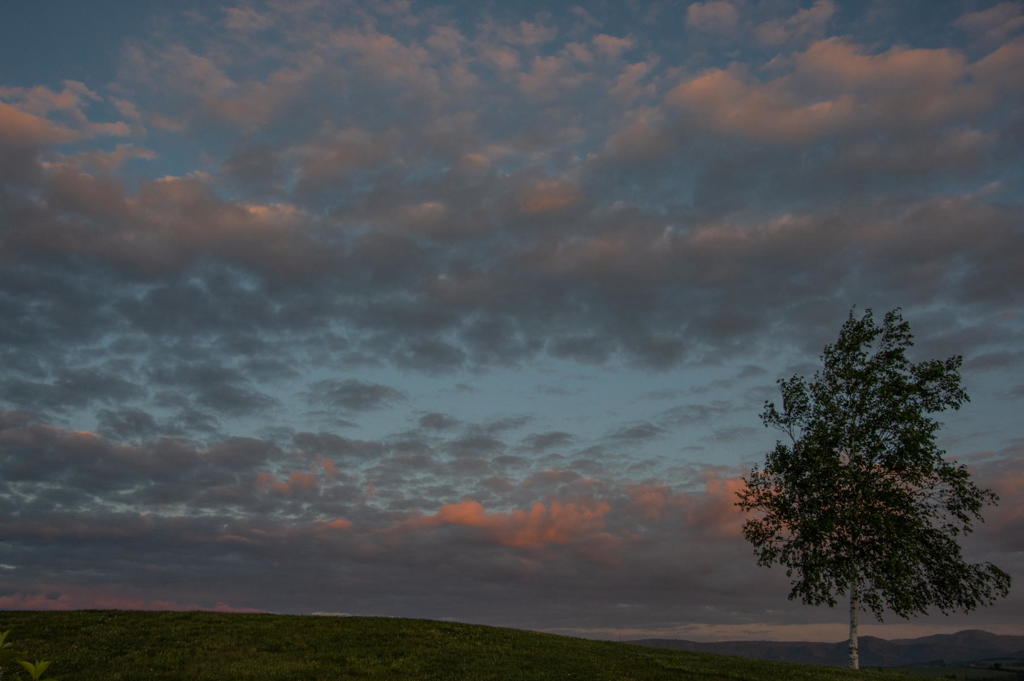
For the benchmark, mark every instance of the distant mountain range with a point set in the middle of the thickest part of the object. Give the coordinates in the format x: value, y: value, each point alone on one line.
x: 959, y: 648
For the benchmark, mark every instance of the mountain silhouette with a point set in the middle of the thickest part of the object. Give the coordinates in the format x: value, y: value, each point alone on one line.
x: 961, y: 647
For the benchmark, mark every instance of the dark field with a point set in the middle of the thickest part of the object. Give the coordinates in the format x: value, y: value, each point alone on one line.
x: 109, y: 645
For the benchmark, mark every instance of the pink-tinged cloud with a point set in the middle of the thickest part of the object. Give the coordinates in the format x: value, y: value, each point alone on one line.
x: 165, y: 224
x: 549, y: 196
x: 298, y: 483
x: 838, y: 64
x: 334, y: 154
x: 85, y: 599
x: 550, y: 77
x: 1004, y: 523
x: 714, y: 16
x: 630, y: 85
x: 20, y: 128
x: 212, y: 93
x: 246, y: 19
x: 651, y: 501
x: 339, y: 524
x: 555, y: 523
x: 386, y: 59
x: 642, y: 136
x: 329, y: 526
x: 330, y: 468
x: 41, y: 100
x: 994, y: 24
x: 731, y: 104
x: 836, y: 87
x: 28, y: 114
x: 1003, y: 69
x: 711, y: 512
x: 809, y: 22
x: 523, y: 33
x: 611, y: 46
x: 112, y: 160
x: 590, y: 256
x: 714, y: 513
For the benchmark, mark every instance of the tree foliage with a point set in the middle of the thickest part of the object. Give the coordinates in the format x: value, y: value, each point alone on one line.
x: 862, y: 500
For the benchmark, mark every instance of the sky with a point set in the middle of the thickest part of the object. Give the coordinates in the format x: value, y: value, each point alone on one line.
x: 468, y: 310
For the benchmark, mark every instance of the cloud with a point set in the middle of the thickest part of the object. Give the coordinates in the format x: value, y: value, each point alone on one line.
x: 329, y: 444
x: 245, y: 19
x: 298, y: 483
x: 714, y: 16
x: 18, y: 128
x: 549, y: 78
x: 127, y: 424
x: 222, y: 389
x: 835, y: 88
x: 437, y: 421
x: 611, y: 46
x: 806, y: 23
x: 554, y: 523
x: 70, y: 388
x: 1000, y: 70
x: 994, y: 24
x: 690, y: 414
x: 196, y: 89
x: 544, y: 441
x: 729, y: 103
x: 549, y: 196
x: 27, y: 122
x: 183, y: 219
x: 353, y: 394
x: 637, y: 432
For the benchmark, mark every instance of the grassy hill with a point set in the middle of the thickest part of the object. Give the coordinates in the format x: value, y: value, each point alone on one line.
x: 111, y: 645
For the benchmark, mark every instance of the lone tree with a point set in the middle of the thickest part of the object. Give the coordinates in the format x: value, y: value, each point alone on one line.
x: 861, y: 502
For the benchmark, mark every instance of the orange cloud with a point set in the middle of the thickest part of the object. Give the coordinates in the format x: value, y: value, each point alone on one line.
x: 612, y: 46
x: 711, y: 512
x: 650, y: 502
x: 330, y: 468
x: 836, y: 63
x: 765, y: 111
x: 715, y: 512
x: 1003, y: 69
x: 836, y: 87
x: 340, y: 524
x: 18, y: 127
x: 549, y: 196
x: 298, y: 482
x: 557, y: 523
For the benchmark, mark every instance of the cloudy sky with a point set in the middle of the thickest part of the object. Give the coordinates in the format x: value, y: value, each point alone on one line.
x: 468, y: 310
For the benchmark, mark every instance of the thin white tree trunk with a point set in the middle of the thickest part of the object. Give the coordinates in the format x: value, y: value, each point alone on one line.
x: 854, y: 612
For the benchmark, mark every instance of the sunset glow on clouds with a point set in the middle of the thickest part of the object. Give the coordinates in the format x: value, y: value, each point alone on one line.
x: 441, y: 310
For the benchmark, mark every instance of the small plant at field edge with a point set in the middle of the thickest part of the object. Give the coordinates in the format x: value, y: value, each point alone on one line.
x: 8, y: 653
x: 36, y: 670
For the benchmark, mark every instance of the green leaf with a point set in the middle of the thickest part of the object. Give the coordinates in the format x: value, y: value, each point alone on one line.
x: 35, y: 670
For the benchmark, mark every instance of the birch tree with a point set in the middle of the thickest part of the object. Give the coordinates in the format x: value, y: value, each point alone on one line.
x: 860, y: 502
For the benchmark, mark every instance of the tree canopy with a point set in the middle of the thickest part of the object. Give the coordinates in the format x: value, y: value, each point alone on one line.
x: 861, y: 500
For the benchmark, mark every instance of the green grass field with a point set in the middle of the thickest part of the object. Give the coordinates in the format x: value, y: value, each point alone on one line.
x: 110, y: 645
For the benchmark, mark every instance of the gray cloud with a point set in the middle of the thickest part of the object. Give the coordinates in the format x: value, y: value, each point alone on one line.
x: 353, y: 394
x: 637, y: 432
x: 437, y: 421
